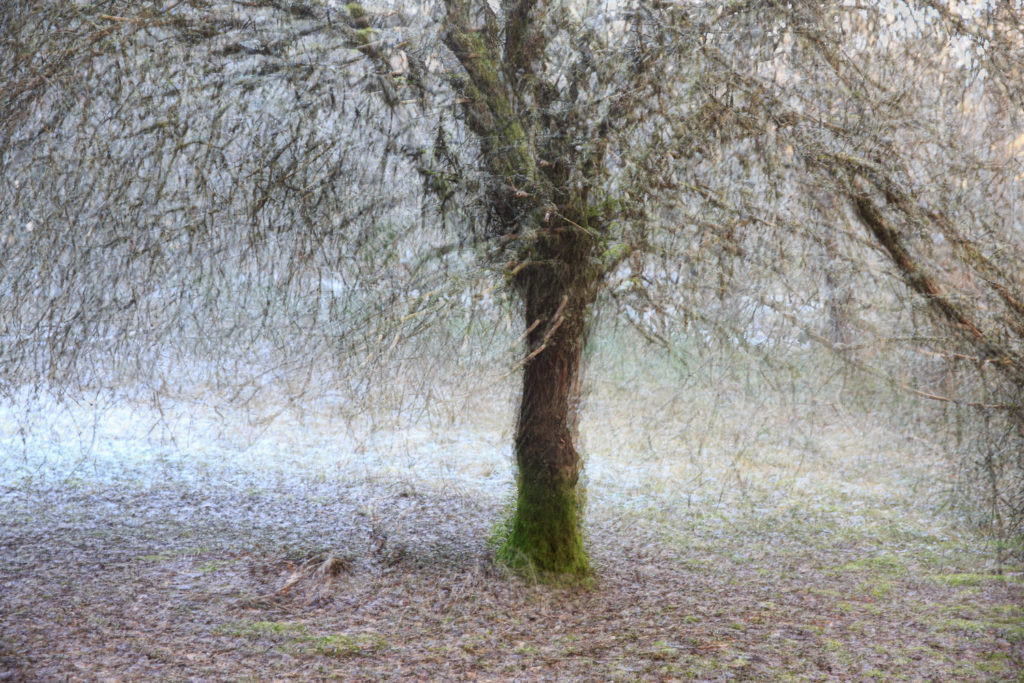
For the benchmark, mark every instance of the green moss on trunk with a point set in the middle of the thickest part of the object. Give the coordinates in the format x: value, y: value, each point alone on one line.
x: 545, y: 532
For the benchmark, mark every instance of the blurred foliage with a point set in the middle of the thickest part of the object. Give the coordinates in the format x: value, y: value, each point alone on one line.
x: 226, y: 200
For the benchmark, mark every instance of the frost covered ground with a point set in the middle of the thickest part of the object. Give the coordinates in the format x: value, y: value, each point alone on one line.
x: 733, y: 537
x: 109, y: 439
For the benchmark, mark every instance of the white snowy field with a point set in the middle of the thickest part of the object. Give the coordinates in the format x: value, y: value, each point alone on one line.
x: 106, y: 440
x: 713, y: 453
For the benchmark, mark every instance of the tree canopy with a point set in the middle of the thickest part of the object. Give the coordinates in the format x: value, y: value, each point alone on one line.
x: 222, y: 194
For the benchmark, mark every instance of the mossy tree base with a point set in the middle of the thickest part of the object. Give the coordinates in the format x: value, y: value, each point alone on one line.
x: 544, y: 534
x: 548, y: 205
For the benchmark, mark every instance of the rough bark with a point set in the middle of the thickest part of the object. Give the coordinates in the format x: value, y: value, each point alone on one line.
x: 550, y: 207
x: 536, y: 212
x: 545, y: 531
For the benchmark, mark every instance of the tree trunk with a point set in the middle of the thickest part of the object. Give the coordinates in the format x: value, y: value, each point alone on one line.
x: 545, y: 530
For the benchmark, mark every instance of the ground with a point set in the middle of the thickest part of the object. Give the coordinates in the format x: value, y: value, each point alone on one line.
x: 730, y: 540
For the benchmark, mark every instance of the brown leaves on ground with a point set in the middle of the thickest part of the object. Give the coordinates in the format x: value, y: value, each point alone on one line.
x: 94, y: 591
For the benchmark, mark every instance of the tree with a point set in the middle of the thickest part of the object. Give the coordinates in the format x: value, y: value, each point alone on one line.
x: 563, y: 109
x: 190, y: 168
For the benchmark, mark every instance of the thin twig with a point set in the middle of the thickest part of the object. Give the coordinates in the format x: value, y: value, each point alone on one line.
x: 558, y: 319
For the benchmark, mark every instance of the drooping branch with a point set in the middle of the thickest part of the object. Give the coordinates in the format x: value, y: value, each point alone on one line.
x: 982, y: 334
x: 913, y: 272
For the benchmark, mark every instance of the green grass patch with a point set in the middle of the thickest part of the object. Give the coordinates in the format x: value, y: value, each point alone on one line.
x: 974, y: 580
x: 997, y: 663
x: 346, y: 644
x: 296, y: 638
x: 877, y: 588
x: 961, y: 625
x: 662, y: 651
x: 268, y: 629
x: 884, y: 564
x: 1014, y: 633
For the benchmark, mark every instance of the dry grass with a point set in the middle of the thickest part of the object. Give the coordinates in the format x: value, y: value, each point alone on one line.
x: 732, y: 536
